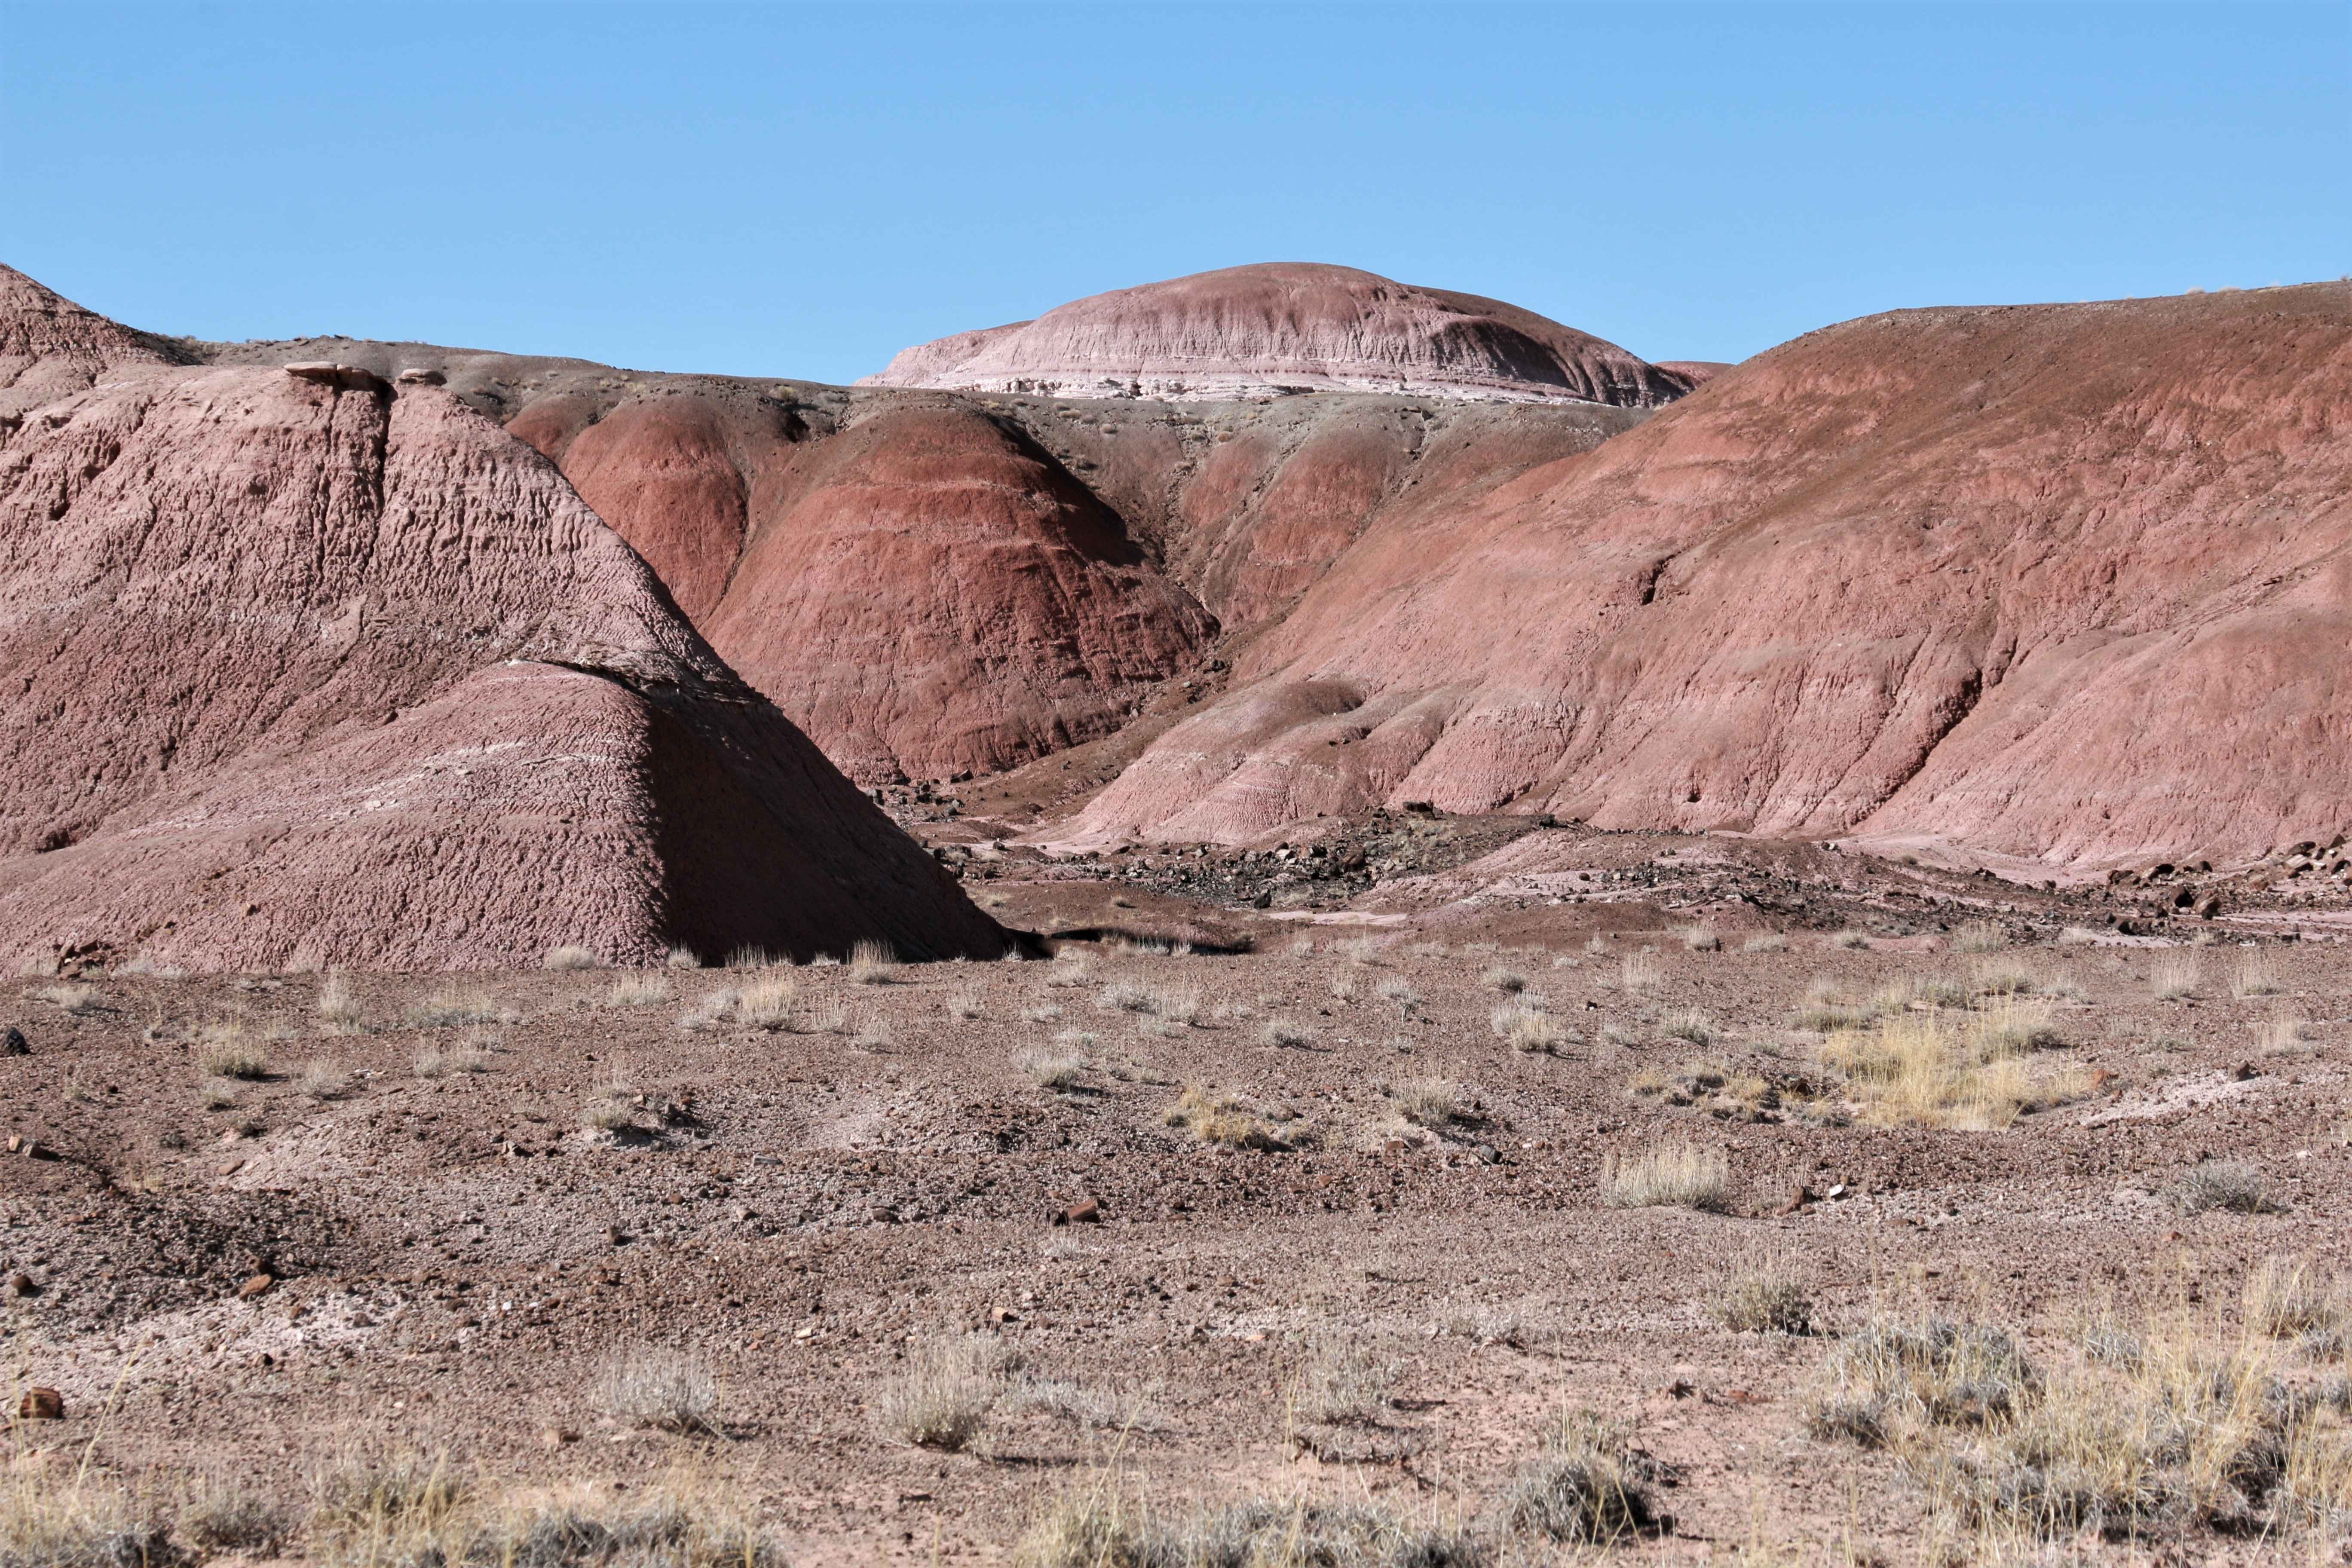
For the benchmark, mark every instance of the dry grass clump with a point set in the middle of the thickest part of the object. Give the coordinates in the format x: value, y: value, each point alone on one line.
x: 1528, y: 1029
x: 2174, y: 975
x: 942, y: 1400
x: 637, y: 991
x: 1288, y: 1035
x: 1431, y: 1102
x: 610, y: 1107
x: 49, y: 1521
x: 450, y: 1009
x: 965, y: 1002
x: 1688, y: 1024
x: 682, y: 957
x: 1509, y: 981
x: 1372, y: 951
x: 324, y: 1080
x: 1342, y: 1384
x: 228, y: 1049
x: 1979, y: 936
x: 1929, y: 1070
x: 646, y: 1385
x: 1699, y: 938
x: 1099, y: 1528
x: 1675, y: 1175
x: 2254, y: 975
x: 213, y: 1094
x: 1070, y: 970
x: 2141, y: 1437
x: 772, y: 1003
x: 709, y: 1013
x: 1824, y: 1009
x: 1587, y: 1485
x: 873, y: 963
x: 386, y: 1507
x: 1214, y: 1118
x: 1850, y: 939
x: 440, y: 1061
x: 1399, y: 991
x: 2003, y: 977
x: 2281, y: 1034
x: 339, y: 1007
x: 570, y: 958
x: 1770, y: 941
x: 2078, y: 936
x: 1640, y: 971
x: 1762, y: 1295
x: 2287, y: 1298
x: 1124, y: 996
x: 79, y: 1001
x: 2228, y: 1185
x: 219, y: 1514
x: 1061, y: 1067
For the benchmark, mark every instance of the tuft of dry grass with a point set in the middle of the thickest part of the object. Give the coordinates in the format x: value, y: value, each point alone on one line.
x: 1341, y: 1383
x: 646, y: 1385
x: 873, y: 963
x: 1070, y: 970
x: 1509, y: 981
x: 1850, y: 939
x: 1124, y: 996
x: 1675, y: 1176
x: 2175, y: 975
x: 440, y: 1061
x: 1640, y: 971
x: 1527, y: 1028
x: 1288, y: 1035
x: 712, y: 1010
x: 230, y: 1049
x: 2254, y: 975
x: 2078, y: 936
x: 2281, y: 1034
x: 772, y: 1003
x: 570, y: 958
x: 1699, y: 938
x: 339, y: 1006
x: 1926, y: 1069
x: 965, y: 1002
x: 1979, y: 936
x: 2288, y: 1297
x: 324, y: 1080
x: 1770, y: 941
x: 682, y: 957
x: 943, y: 1398
x: 451, y: 1008
x: 220, y: 1514
x: 1688, y: 1024
x: 637, y: 991
x: 1431, y: 1102
x: 76, y: 1001
x: 1214, y: 1118
x: 1062, y: 1067
x: 1098, y: 1527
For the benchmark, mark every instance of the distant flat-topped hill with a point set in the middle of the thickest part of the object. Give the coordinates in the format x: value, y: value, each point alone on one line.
x: 1281, y: 327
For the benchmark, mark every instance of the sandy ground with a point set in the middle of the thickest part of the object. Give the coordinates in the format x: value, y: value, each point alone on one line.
x: 453, y: 1258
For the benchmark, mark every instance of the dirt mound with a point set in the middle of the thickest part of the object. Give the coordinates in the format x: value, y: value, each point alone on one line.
x: 2067, y: 583
x: 1278, y: 326
x: 307, y: 668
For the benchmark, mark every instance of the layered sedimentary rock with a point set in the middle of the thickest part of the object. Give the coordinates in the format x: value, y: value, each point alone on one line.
x: 1283, y: 327
x: 2071, y: 584
x: 308, y: 667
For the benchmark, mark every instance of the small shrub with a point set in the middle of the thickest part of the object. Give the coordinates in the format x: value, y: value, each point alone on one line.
x: 2228, y: 1185
x: 1699, y: 938
x: 709, y: 1013
x: 751, y: 958
x: 1124, y: 996
x: 77, y: 1001
x: 324, y: 1080
x: 1585, y: 1486
x: 1999, y: 978
x: 1214, y: 1118
x: 2078, y: 936
x: 644, y: 1386
x: 228, y: 1050
x: 213, y: 1094
x: 1770, y: 942
x: 942, y: 1400
x: 1427, y: 1101
x: 873, y: 963
x: 965, y: 1003
x: 1640, y: 971
x: 1526, y: 1030
x: 1343, y: 986
x: 1851, y: 941
x: 1677, y: 1175
x: 1763, y: 1296
x: 1070, y: 970
x: 1284, y: 1033
x: 2285, y: 1297
x: 1509, y: 982
x: 224, y: 1515
x: 682, y: 957
x: 570, y: 958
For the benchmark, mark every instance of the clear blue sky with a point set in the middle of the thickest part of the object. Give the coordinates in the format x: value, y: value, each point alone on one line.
x: 800, y: 190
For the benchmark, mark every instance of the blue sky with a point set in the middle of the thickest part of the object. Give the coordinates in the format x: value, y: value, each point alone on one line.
x: 796, y: 190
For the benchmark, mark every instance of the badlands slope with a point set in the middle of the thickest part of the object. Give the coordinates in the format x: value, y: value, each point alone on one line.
x: 312, y: 668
